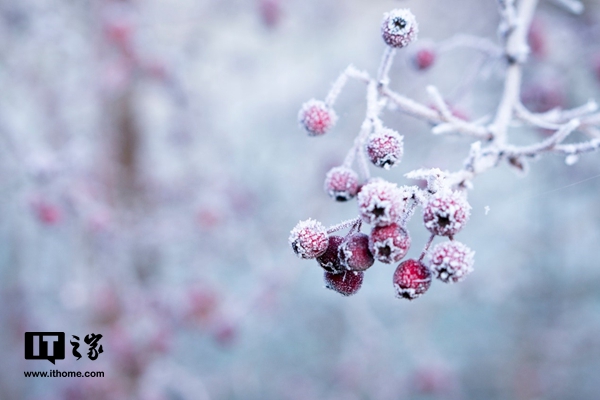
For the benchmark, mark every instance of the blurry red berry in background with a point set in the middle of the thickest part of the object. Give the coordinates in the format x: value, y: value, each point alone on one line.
x: 47, y: 213
x: 270, y: 12
x: 537, y: 39
x: 424, y: 58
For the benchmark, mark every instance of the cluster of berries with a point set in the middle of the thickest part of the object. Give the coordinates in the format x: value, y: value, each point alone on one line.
x: 383, y: 205
x: 386, y: 207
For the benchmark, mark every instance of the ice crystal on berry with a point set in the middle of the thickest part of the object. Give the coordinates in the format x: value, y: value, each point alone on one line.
x: 330, y: 260
x: 451, y: 261
x: 411, y: 279
x: 380, y: 202
x: 385, y: 148
x: 309, y: 239
x: 354, y: 252
x: 317, y: 117
x: 341, y: 183
x: 389, y: 243
x: 346, y: 283
x: 446, y: 213
x: 399, y: 28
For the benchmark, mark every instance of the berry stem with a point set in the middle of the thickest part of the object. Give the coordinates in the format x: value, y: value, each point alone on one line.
x: 337, y: 87
x: 427, y: 245
x: 343, y: 225
x: 383, y: 78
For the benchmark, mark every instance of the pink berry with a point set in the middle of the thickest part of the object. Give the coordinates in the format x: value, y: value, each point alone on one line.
x: 309, y: 239
x: 316, y: 117
x: 341, y: 183
x: 536, y: 38
x: 411, y: 279
x: 330, y: 260
x: 399, y: 28
x: 451, y: 261
x: 47, y: 213
x: 347, y: 283
x: 354, y: 252
x: 424, y: 58
x: 385, y: 148
x: 446, y: 213
x: 380, y: 202
x: 389, y: 243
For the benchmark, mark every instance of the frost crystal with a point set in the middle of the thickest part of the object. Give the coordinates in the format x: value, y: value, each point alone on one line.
x: 451, y: 261
x: 309, y: 239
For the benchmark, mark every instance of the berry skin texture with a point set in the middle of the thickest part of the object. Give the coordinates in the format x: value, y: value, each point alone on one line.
x: 330, y: 260
x: 354, y: 253
x: 451, y: 261
x: 399, y: 28
x: 346, y: 283
x: 389, y: 243
x: 380, y: 203
x: 446, y: 213
x: 341, y: 183
x: 309, y: 239
x: 424, y: 58
x: 316, y: 117
x: 385, y: 148
x: 411, y: 279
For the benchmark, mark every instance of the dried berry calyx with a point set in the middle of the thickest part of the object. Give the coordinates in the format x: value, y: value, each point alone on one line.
x: 399, y: 28
x: 389, y: 243
x: 446, y: 213
x: 346, y: 283
x: 316, y: 117
x: 411, y: 279
x: 451, y: 261
x: 309, y: 239
x: 380, y: 202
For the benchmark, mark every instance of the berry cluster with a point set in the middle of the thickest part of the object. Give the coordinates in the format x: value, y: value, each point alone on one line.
x: 382, y: 204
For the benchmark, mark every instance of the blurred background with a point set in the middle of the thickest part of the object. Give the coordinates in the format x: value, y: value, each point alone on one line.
x: 151, y: 168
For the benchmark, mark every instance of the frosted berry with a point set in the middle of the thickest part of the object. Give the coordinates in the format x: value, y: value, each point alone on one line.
x: 330, y: 260
x: 389, y: 243
x: 424, y: 58
x: 380, y: 202
x: 309, y: 239
x: 316, y: 117
x: 411, y: 279
x: 399, y: 28
x: 354, y: 252
x: 385, y: 148
x: 446, y: 213
x: 341, y: 183
x: 451, y: 261
x: 346, y: 283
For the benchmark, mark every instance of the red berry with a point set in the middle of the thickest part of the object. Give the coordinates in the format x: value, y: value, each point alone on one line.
x: 316, y: 117
x: 385, y: 148
x: 380, y: 202
x: 346, y: 283
x: 399, y: 28
x: 411, y: 279
x: 330, y: 260
x: 446, y: 213
x: 270, y: 11
x: 389, y: 243
x: 354, y: 252
x: 309, y: 239
x: 47, y: 213
x: 424, y: 58
x: 536, y: 38
x: 341, y: 183
x: 451, y: 261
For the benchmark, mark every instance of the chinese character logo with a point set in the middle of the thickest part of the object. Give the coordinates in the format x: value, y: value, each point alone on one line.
x: 91, y: 340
